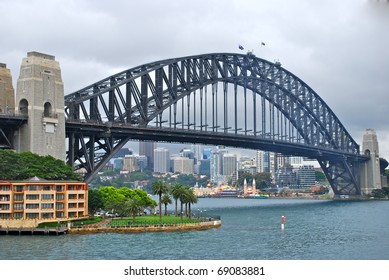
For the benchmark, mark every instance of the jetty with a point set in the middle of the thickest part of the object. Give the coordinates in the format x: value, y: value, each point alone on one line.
x: 33, y: 231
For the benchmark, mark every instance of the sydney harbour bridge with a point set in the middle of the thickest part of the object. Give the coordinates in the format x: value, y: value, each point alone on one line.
x: 230, y: 99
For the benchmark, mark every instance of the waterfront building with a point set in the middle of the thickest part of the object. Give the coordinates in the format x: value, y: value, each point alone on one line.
x: 27, y: 203
x: 306, y: 176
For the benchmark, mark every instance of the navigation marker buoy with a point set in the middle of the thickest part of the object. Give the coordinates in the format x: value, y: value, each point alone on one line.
x: 282, y: 222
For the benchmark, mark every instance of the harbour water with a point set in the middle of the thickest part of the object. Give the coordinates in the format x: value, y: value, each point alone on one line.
x: 251, y: 230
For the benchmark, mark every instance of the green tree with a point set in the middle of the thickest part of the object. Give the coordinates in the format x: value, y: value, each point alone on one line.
x: 21, y: 166
x: 133, y: 206
x: 95, y: 200
x: 113, y: 200
x: 378, y: 193
x: 159, y: 187
x: 320, y: 176
x: 190, y: 199
x: 166, y: 199
x: 175, y: 191
x: 183, y: 194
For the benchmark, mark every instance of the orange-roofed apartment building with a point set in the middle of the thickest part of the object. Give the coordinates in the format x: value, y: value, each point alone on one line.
x: 28, y: 203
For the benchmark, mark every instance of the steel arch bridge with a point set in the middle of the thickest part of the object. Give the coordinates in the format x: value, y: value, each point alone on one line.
x: 237, y: 100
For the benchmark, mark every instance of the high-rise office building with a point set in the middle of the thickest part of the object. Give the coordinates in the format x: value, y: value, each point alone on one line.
x: 306, y: 176
x: 229, y: 164
x: 161, y: 160
x: 146, y: 148
x: 183, y: 165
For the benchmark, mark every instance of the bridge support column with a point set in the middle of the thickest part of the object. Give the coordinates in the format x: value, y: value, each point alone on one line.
x: 40, y: 96
x: 370, y: 170
x: 7, y: 94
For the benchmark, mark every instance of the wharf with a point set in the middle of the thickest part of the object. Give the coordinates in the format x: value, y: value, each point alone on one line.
x: 33, y: 231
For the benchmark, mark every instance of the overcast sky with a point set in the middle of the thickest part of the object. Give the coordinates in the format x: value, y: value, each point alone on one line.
x: 339, y: 48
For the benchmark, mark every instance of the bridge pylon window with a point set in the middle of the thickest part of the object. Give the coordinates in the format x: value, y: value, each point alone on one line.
x: 23, y: 107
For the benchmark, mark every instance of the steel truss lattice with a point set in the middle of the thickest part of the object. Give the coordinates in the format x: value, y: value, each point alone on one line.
x: 229, y: 99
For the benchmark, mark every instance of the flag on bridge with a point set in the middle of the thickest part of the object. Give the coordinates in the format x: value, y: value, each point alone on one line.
x: 240, y: 47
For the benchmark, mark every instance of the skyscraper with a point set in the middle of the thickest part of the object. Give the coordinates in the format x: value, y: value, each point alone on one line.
x: 161, y: 160
x: 146, y: 148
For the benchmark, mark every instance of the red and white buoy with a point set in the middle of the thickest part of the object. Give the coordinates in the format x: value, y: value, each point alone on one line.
x: 282, y: 222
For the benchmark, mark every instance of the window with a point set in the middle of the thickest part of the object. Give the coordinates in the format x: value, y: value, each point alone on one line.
x: 60, y: 206
x: 18, y: 188
x: 23, y: 107
x: 5, y: 215
x: 72, y: 196
x: 60, y: 188
x: 32, y: 197
x: 47, y: 188
x: 4, y: 197
x: 47, y: 196
x: 60, y: 197
x: 18, y: 215
x: 5, y: 188
x: 59, y: 215
x: 32, y: 206
x: 4, y: 206
x: 47, y: 110
x: 18, y: 197
x: 32, y: 216
x: 47, y: 206
x: 32, y: 187
x: 72, y: 205
x: 18, y: 206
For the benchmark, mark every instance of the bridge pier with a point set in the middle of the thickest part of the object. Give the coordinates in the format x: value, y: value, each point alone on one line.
x: 40, y: 97
x: 370, y: 174
x: 7, y: 99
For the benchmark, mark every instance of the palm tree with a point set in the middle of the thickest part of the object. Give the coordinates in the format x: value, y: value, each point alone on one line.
x: 133, y: 206
x: 191, y: 199
x: 174, y: 190
x: 183, y: 195
x: 160, y: 187
x: 166, y: 199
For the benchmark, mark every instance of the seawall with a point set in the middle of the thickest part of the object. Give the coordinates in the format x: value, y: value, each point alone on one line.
x: 151, y: 228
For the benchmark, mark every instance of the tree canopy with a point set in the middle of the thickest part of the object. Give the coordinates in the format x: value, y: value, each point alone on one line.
x: 119, y: 199
x: 22, y: 166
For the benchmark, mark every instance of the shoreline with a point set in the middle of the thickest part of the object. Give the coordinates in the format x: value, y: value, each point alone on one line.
x: 150, y: 228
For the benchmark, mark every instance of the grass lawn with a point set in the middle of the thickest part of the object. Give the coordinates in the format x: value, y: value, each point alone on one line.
x: 75, y: 223
x: 151, y: 220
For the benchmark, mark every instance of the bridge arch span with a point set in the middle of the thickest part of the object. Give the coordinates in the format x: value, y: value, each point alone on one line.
x: 238, y: 99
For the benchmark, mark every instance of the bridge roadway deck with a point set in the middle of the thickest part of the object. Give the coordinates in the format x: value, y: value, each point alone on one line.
x: 209, y: 138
